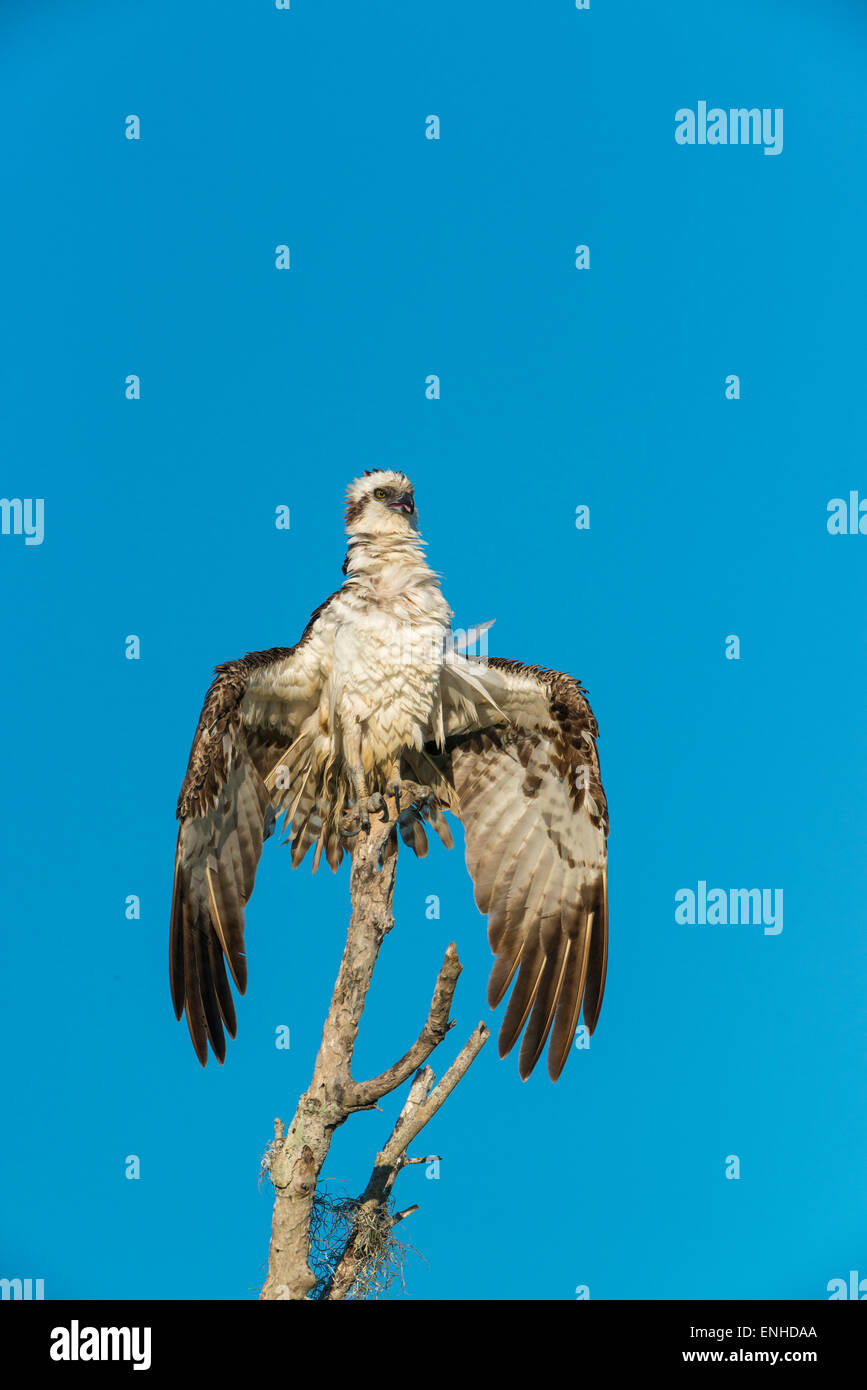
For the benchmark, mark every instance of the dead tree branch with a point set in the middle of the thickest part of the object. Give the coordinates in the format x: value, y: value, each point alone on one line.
x: 296, y: 1156
x: 422, y: 1104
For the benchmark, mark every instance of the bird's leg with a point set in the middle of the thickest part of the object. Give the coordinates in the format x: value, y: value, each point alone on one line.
x: 408, y: 793
x: 392, y: 785
x: 358, y: 816
x: 411, y: 801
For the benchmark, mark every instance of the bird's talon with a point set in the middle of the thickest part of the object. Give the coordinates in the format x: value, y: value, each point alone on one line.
x: 407, y: 794
x: 357, y: 818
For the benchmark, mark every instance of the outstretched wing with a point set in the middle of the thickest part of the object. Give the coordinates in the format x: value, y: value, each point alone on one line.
x: 521, y: 751
x: 255, y: 708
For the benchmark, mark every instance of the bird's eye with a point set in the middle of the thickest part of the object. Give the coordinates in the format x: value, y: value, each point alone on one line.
x: 379, y: 493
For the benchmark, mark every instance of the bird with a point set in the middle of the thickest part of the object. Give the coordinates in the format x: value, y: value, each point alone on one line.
x: 378, y: 700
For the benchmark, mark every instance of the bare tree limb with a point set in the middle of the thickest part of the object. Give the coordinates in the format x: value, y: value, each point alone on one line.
x: 430, y: 1037
x: 399, y: 1215
x: 422, y: 1104
x: 297, y: 1155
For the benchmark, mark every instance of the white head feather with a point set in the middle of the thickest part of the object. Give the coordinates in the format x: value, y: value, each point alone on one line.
x: 381, y: 503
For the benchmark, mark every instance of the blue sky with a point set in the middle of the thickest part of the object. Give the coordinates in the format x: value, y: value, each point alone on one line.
x: 559, y: 387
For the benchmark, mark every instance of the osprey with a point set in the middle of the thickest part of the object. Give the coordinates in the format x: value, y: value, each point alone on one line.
x: 376, y: 701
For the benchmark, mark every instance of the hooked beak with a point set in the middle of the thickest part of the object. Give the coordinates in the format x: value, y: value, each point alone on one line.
x: 403, y: 503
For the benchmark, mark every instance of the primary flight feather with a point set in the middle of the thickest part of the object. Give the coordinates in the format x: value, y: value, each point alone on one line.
x: 376, y: 700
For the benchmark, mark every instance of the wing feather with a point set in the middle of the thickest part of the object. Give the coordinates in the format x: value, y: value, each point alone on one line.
x: 252, y: 714
x: 598, y: 962
x: 569, y: 1005
x: 547, y: 997
x: 529, y: 793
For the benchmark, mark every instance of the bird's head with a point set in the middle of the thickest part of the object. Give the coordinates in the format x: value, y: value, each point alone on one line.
x: 381, y: 503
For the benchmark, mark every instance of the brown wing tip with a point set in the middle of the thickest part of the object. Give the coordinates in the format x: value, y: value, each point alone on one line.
x: 527, y: 1064
x: 557, y: 1063
x: 200, y: 1046
x: 200, y: 1041
x: 238, y: 967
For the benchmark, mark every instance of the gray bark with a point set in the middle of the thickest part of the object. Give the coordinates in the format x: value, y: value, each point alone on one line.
x: 298, y: 1155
